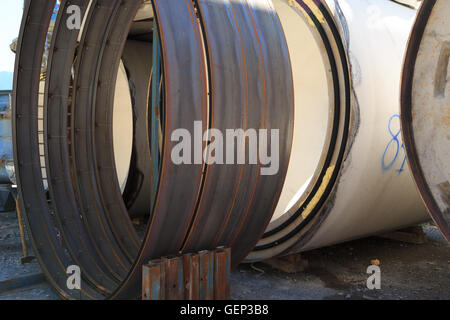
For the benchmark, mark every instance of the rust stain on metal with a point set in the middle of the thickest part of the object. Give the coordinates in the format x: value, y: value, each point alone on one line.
x: 222, y: 266
x: 191, y: 273
x: 153, y: 276
x: 174, y: 285
x: 206, y: 275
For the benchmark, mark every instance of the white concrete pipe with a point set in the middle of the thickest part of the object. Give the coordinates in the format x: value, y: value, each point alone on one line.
x: 370, y: 190
x: 122, y: 127
x: 426, y: 108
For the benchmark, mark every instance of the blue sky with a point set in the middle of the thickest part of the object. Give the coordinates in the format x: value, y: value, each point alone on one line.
x: 10, y: 17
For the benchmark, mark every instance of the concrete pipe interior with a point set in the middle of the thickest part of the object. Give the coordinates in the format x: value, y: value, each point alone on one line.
x: 132, y: 117
x: 313, y: 108
x: 362, y: 195
x: 122, y: 127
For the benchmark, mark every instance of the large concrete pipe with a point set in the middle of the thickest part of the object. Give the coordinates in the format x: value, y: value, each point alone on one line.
x: 426, y: 108
x: 338, y: 197
x: 208, y: 75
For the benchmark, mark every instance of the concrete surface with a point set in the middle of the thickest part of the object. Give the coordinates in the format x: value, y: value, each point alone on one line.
x: 338, y: 272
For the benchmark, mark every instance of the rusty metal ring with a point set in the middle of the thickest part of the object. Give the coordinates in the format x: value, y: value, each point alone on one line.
x: 102, y: 240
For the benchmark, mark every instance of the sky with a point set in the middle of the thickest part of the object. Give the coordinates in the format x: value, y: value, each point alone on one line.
x: 10, y: 18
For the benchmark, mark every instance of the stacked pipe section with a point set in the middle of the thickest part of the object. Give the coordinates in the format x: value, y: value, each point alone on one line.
x: 120, y: 153
x: 360, y: 183
x: 224, y: 65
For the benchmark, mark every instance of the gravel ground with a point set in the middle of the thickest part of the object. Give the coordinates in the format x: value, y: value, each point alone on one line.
x: 11, y: 250
x: 408, y: 271
x: 339, y: 272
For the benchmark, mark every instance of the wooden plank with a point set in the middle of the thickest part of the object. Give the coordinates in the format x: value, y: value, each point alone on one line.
x: 413, y: 235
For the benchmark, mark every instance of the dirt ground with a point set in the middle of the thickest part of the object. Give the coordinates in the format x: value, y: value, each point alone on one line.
x: 339, y: 272
x: 408, y: 271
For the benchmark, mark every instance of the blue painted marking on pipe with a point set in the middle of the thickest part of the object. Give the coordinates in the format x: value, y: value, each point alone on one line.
x: 399, y: 146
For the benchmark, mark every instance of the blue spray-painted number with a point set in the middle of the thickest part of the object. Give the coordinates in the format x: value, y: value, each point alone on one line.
x: 396, y: 142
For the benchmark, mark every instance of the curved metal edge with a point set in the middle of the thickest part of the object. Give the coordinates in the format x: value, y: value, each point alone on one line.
x: 279, y: 116
x: 345, y: 107
x: 414, y: 43
x: 59, y: 66
x: 138, y: 188
x: 102, y: 230
x: 175, y: 204
x: 33, y: 203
